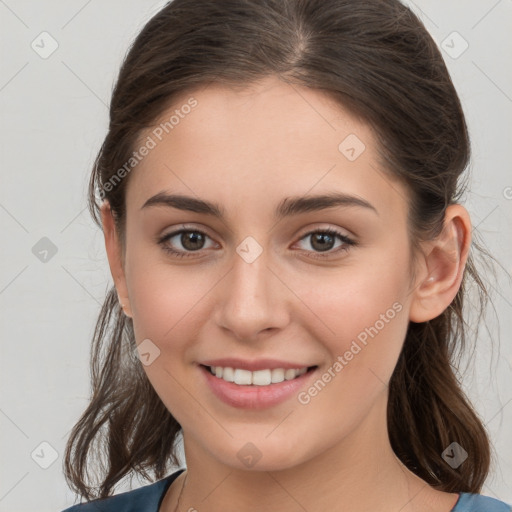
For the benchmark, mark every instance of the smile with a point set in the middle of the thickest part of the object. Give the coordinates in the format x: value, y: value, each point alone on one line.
x: 256, y: 378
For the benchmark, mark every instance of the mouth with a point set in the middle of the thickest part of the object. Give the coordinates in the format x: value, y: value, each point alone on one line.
x: 264, y: 377
x: 256, y: 383
x: 256, y: 390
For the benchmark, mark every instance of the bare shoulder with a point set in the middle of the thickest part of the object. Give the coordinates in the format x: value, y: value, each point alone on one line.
x: 441, y: 501
x: 428, y: 499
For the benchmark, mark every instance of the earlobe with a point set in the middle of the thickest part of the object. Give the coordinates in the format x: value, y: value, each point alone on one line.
x: 443, y: 264
x: 113, y: 249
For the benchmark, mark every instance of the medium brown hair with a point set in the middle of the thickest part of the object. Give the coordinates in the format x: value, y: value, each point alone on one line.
x: 376, y: 59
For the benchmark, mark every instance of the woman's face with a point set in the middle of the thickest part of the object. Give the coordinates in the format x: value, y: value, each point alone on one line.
x: 256, y: 283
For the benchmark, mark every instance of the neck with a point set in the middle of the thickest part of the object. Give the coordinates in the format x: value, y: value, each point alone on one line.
x: 359, y: 473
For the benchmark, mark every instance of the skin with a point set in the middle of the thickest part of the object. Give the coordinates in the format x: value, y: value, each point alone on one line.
x: 247, y: 150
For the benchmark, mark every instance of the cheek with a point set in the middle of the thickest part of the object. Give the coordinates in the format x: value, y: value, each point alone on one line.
x: 164, y: 296
x: 359, y: 311
x: 364, y: 322
x: 355, y: 295
x: 338, y: 304
x: 167, y: 305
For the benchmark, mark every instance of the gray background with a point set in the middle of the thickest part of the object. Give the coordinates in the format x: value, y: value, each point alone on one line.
x: 53, y: 120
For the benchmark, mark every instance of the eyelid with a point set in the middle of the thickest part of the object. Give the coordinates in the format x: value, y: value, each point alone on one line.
x: 302, y: 233
x: 326, y: 227
x: 348, y: 240
x: 183, y: 228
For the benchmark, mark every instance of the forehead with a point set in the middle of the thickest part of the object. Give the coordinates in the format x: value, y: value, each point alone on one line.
x: 259, y: 144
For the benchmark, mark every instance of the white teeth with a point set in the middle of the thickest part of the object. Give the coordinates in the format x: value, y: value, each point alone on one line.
x: 228, y: 374
x: 256, y: 378
x: 277, y: 375
x: 262, y: 377
x: 289, y: 374
x: 243, y: 377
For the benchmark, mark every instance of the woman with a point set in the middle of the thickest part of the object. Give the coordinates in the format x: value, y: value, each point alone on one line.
x: 278, y: 193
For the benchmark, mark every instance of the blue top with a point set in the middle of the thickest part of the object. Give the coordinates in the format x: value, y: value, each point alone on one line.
x: 149, y: 498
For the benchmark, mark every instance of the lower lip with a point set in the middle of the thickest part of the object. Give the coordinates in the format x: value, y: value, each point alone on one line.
x: 254, y: 397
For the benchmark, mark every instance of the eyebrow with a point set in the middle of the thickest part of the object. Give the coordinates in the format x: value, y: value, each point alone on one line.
x: 286, y: 208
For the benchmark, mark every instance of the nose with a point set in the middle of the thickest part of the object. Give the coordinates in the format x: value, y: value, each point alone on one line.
x: 252, y: 299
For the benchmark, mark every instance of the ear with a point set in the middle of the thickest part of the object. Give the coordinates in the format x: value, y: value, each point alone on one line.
x: 114, y: 254
x: 442, y: 266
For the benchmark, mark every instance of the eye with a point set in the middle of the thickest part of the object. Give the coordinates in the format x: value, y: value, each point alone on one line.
x: 192, y: 240
x: 324, y: 239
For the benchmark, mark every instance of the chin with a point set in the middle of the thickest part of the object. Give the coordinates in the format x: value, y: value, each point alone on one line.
x: 260, y: 454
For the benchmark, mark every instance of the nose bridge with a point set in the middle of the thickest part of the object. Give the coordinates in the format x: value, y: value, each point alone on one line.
x: 251, y: 299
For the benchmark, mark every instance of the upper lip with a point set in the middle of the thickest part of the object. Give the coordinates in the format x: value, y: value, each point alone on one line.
x: 259, y: 364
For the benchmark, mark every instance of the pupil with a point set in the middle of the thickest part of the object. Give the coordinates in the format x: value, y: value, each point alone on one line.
x: 188, y: 240
x: 193, y: 241
x: 320, y: 237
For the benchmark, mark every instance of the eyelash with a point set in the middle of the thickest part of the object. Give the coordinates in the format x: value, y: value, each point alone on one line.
x: 181, y: 254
